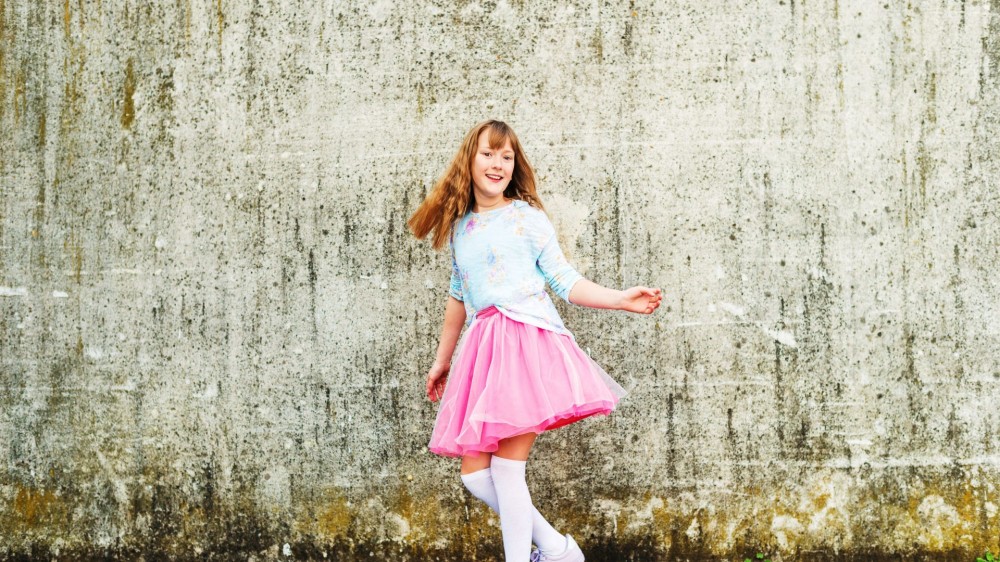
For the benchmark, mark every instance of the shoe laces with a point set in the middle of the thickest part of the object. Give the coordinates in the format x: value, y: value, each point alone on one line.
x: 536, y: 556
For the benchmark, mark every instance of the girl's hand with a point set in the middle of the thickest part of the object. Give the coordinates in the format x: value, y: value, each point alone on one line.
x: 640, y: 299
x: 437, y: 376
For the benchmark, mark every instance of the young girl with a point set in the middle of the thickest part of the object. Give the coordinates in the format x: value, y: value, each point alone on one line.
x: 519, y: 371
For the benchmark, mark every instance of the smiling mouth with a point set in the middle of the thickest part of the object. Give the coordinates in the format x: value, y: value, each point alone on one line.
x: 494, y: 178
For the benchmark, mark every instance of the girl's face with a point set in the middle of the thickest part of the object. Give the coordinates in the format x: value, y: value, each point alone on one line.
x: 491, y: 169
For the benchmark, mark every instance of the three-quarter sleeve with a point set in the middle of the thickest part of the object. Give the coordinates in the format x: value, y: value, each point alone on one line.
x: 559, y: 274
x: 455, y: 286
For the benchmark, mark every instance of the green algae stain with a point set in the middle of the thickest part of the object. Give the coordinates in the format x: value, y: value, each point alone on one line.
x: 924, y: 168
x: 840, y: 84
x: 936, y: 517
x: 20, y: 95
x: 221, y: 19
x: 74, y: 247
x: 421, y: 511
x: 334, y: 517
x: 187, y: 23
x: 72, y: 106
x: 128, y: 112
x: 30, y: 505
x: 39, y: 219
x: 34, y: 508
x: 597, y: 44
x: 3, y: 63
x: 41, y: 130
x: 420, y: 100
x: 906, y: 184
x: 932, y: 98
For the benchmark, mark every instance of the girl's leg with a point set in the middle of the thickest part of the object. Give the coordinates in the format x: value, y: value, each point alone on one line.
x: 479, y: 481
x: 519, y: 520
x: 477, y: 478
x: 517, y: 447
x: 475, y: 462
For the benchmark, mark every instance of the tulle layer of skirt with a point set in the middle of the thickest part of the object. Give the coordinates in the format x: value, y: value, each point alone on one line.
x: 512, y: 378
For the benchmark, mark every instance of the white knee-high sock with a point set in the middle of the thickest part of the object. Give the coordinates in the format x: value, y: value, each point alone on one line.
x: 514, y: 502
x: 480, y: 484
x: 519, y: 520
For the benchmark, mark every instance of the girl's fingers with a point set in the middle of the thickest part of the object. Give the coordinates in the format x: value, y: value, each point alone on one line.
x: 438, y: 389
x: 431, y: 388
x: 647, y: 300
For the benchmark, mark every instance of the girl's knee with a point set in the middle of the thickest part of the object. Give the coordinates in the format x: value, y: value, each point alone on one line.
x: 475, y: 462
x: 517, y: 448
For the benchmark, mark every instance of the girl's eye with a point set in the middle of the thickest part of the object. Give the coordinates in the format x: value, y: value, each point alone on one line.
x: 487, y: 154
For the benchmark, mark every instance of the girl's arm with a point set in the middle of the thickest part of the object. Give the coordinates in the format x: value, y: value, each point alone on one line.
x: 454, y: 319
x: 643, y: 300
x: 570, y: 285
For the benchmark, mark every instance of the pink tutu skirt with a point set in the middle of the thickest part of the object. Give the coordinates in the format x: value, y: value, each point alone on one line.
x: 512, y: 378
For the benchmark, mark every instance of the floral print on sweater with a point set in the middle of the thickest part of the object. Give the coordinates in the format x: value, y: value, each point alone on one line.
x: 504, y: 258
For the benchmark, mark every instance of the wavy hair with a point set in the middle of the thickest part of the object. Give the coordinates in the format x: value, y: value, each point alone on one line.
x: 452, y: 195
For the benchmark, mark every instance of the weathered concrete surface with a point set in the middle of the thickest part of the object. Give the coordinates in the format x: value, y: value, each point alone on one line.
x: 215, y: 327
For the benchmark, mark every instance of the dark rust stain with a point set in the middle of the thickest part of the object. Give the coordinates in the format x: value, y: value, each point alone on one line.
x: 128, y: 112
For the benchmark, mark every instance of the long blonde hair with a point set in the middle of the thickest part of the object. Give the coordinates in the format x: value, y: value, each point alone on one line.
x: 452, y: 195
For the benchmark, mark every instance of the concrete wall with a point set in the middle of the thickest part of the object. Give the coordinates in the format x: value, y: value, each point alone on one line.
x: 215, y: 327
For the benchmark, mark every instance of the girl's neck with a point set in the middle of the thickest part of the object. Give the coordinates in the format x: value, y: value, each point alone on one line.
x: 480, y: 208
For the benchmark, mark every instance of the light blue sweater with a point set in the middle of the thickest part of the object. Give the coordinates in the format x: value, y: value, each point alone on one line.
x: 503, y: 258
